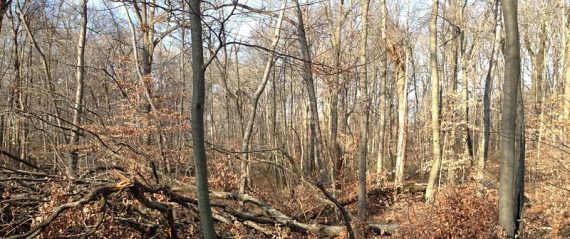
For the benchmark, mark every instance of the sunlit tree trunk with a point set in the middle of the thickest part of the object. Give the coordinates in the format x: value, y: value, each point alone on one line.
x: 436, y: 144
x: 567, y: 64
x: 402, y: 90
x: 537, y: 57
x: 383, y: 81
x: 465, y: 65
x: 79, y: 88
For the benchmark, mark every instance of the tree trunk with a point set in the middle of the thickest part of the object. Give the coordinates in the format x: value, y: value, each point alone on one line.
x: 384, y: 78
x: 484, y: 148
x: 518, y: 198
x: 79, y: 81
x: 466, y: 140
x: 402, y: 89
x: 436, y: 144
x: 335, y: 89
x: 198, y: 93
x: 363, y: 147
x: 315, y: 134
x: 567, y: 66
x: 254, y: 102
x: 510, y: 161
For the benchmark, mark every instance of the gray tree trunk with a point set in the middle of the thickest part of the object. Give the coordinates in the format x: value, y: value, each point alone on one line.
x: 510, y: 162
x: 315, y: 134
x: 198, y: 93
x: 363, y: 147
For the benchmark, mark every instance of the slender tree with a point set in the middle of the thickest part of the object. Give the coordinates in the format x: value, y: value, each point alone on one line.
x: 383, y: 79
x: 484, y: 148
x: 255, y: 100
x: 363, y: 147
x: 79, y: 88
x: 436, y: 142
x: 198, y: 95
x: 315, y: 144
x: 402, y: 76
x: 567, y: 62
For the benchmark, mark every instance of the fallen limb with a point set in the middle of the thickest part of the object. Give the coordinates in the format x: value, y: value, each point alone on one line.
x: 343, y: 211
x: 161, y: 207
x: 92, y: 196
x: 23, y: 161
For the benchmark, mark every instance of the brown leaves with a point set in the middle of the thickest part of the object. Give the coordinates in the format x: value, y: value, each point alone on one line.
x: 460, y: 212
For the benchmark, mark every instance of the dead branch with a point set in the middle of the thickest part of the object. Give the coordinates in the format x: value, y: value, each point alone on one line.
x: 92, y: 196
x: 345, y: 215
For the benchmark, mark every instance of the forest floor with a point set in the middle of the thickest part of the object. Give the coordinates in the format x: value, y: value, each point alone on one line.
x: 127, y: 203
x: 463, y: 210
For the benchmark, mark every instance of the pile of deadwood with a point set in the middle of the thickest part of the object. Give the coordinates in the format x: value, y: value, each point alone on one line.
x: 158, y: 206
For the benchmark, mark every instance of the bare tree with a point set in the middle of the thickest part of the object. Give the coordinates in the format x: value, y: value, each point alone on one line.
x: 383, y: 81
x: 244, y: 178
x: 198, y: 105
x: 486, y: 120
x: 79, y: 88
x: 315, y: 144
x: 510, y: 187
x: 364, y: 106
x: 435, y: 105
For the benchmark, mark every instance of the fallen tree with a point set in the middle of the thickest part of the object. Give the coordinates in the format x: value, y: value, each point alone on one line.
x: 226, y: 205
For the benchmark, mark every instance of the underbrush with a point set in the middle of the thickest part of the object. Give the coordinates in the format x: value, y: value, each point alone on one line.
x: 458, y: 212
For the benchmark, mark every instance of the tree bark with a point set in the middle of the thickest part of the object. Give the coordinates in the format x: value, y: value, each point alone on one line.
x: 567, y: 66
x: 335, y: 90
x: 436, y: 144
x: 315, y: 134
x: 484, y: 148
x: 402, y: 85
x: 198, y: 93
x: 508, y: 206
x: 363, y: 147
x: 382, y: 102
x: 79, y: 88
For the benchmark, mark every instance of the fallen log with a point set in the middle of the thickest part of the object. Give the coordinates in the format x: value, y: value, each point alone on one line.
x: 92, y: 196
x: 276, y: 217
x: 384, y: 229
x: 345, y: 215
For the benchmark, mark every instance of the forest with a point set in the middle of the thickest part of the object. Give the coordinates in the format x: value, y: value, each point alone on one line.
x: 284, y: 119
